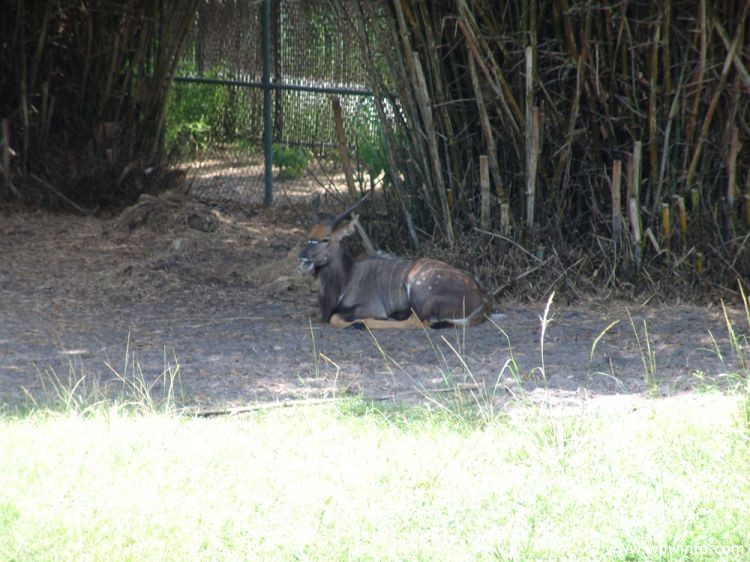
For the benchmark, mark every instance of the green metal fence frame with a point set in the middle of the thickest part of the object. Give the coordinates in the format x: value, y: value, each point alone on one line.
x: 268, y: 88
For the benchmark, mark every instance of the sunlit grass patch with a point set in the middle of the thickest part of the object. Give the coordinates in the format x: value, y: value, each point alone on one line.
x: 349, y: 482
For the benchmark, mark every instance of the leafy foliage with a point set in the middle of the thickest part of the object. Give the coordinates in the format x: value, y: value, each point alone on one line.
x: 291, y: 160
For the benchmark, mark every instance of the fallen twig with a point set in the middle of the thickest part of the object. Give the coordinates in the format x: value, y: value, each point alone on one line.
x: 262, y: 406
x: 51, y: 188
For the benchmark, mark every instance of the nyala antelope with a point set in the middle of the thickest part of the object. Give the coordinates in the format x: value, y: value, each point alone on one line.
x: 382, y: 291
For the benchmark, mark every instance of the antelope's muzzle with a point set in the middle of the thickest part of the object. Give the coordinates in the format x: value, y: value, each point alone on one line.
x: 306, y: 267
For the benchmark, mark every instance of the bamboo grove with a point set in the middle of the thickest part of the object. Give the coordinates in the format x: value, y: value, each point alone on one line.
x: 83, y: 87
x: 600, y: 141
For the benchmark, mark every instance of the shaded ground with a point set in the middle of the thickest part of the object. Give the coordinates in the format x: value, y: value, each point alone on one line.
x: 213, y: 288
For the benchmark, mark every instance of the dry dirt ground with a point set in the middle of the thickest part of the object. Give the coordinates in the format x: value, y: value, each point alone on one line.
x: 210, y: 291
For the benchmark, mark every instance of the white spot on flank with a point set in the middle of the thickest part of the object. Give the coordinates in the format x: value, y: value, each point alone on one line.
x: 429, y: 288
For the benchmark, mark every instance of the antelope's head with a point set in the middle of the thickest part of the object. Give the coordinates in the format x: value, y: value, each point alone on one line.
x: 323, y: 245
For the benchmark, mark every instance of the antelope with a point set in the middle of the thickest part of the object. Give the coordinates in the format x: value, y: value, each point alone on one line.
x: 383, y: 291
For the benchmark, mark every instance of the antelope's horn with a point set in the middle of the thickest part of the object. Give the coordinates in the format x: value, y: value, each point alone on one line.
x: 343, y: 216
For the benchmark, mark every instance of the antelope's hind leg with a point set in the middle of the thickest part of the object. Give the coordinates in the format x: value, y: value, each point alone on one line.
x: 338, y: 321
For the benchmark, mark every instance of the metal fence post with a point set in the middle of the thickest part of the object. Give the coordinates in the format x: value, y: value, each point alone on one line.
x: 267, y: 113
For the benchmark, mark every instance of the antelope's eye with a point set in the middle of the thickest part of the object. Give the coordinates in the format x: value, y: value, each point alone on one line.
x: 325, y: 240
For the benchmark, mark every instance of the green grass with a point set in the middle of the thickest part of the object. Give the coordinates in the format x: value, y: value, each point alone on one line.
x: 616, y: 481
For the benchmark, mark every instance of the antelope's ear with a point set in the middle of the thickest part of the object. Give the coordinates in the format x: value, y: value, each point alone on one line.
x: 341, y: 233
x: 315, y: 208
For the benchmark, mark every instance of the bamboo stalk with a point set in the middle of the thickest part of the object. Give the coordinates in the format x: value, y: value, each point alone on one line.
x: 366, y: 242
x: 665, y: 226
x: 739, y: 66
x: 665, y: 152
x: 11, y: 189
x: 568, y: 25
x: 438, y: 70
x: 505, y: 92
x: 393, y: 168
x: 695, y: 201
x: 682, y: 217
x: 346, y: 162
x: 653, y: 107
x: 387, y: 129
x: 616, y: 205
x: 564, y: 157
x: 41, y: 42
x: 698, y: 82
x: 425, y: 107
x: 531, y: 155
x: 484, y: 184
x: 489, y: 141
x: 531, y: 177
x: 739, y: 33
x: 734, y: 148
x: 651, y: 238
x: 666, y: 51
x: 505, y: 219
x: 495, y: 77
x: 634, y: 172
x: 635, y: 228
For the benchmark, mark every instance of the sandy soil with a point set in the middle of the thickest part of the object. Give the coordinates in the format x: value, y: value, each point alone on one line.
x: 212, y: 288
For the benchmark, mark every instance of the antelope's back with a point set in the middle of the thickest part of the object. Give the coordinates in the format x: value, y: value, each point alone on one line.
x: 439, y: 292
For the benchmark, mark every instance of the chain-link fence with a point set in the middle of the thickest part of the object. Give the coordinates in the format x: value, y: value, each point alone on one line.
x: 215, y: 117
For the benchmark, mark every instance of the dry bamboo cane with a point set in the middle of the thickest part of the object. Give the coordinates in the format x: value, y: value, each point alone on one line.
x: 634, y: 188
x: 532, y: 169
x: 505, y: 219
x: 682, y: 216
x: 385, y: 122
x: 636, y: 175
x: 695, y: 202
x: 410, y: 95
x: 635, y: 228
x: 568, y: 25
x: 692, y: 117
x: 616, y: 204
x: 717, y: 94
x: 739, y: 66
x: 505, y: 93
x: 532, y: 140
x: 484, y: 184
x: 489, y: 140
x: 425, y: 107
x: 666, y: 228
x: 6, y: 159
x: 439, y: 83
x: 565, y: 152
x: 346, y: 162
x: 665, y: 151
x: 734, y: 148
x: 666, y: 52
x: 651, y: 238
x: 654, y: 187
